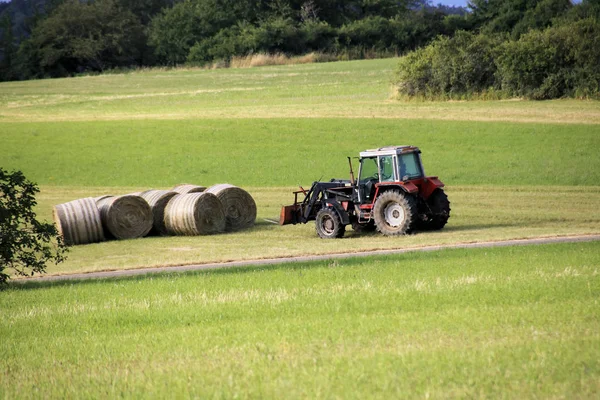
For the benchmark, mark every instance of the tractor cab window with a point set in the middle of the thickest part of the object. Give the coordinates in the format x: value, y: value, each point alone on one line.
x: 386, y: 168
x: 410, y: 167
x: 368, y: 169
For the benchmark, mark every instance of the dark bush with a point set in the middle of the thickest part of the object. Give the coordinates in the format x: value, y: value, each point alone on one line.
x: 278, y: 35
x: 449, y: 67
x: 318, y: 36
x: 371, y: 33
x: 558, y: 62
x: 237, y: 40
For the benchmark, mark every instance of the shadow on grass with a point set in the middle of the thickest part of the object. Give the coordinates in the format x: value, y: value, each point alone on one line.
x: 478, y: 227
x: 290, y: 266
x: 448, y: 228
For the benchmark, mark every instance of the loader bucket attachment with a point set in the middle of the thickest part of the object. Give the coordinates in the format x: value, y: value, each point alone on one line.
x: 289, y: 214
x: 292, y: 214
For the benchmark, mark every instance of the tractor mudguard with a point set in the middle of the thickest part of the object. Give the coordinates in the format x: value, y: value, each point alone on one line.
x: 344, y: 217
x: 429, y: 185
x: 407, y: 187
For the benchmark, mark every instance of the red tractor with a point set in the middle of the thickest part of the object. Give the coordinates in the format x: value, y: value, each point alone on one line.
x: 392, y: 194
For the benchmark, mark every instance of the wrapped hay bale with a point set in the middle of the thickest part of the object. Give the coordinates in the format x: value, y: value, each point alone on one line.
x: 78, y: 221
x: 158, y: 200
x: 125, y: 217
x: 186, y: 188
x: 194, y: 214
x: 239, y: 206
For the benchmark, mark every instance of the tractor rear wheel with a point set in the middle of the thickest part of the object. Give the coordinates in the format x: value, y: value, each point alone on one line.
x: 329, y: 225
x: 440, y: 211
x: 394, y: 213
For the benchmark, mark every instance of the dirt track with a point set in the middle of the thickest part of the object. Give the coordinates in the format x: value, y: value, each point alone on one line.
x: 271, y: 261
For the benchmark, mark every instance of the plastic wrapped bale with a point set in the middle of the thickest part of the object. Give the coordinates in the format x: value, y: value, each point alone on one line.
x: 79, y: 222
x: 125, y: 217
x: 194, y: 214
x: 158, y: 200
x: 239, y: 206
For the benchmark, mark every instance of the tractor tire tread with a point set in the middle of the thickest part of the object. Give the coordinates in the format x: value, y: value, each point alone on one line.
x: 408, y: 204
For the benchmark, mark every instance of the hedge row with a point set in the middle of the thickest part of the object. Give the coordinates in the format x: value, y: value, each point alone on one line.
x: 561, y: 61
x: 378, y: 35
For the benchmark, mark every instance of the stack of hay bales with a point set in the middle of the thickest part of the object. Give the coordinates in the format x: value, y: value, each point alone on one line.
x: 183, y: 210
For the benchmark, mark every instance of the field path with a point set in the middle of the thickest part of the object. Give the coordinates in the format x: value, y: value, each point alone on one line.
x: 271, y: 261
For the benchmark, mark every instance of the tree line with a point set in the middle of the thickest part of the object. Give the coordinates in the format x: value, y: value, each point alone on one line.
x: 66, y: 37
x: 531, y: 48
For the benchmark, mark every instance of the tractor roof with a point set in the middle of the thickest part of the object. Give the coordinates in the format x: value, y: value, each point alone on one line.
x: 388, y: 151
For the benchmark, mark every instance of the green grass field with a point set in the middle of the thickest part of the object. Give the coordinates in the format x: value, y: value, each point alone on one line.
x: 508, y: 323
x: 488, y: 323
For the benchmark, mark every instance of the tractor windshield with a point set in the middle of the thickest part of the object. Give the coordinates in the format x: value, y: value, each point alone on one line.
x: 369, y: 169
x: 410, y: 166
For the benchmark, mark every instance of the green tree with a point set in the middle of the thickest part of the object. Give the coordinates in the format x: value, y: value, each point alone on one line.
x: 26, y: 245
x: 7, y: 48
x: 174, y: 31
x: 515, y: 16
x: 86, y: 36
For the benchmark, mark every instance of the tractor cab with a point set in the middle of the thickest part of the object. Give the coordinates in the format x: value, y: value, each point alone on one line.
x: 387, y: 165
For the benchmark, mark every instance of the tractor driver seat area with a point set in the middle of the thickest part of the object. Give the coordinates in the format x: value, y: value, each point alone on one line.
x: 369, y: 190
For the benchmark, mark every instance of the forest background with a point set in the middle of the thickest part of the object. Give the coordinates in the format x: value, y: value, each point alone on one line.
x: 492, y: 48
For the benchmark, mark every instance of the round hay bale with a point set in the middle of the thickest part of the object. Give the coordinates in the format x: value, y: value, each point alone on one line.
x: 239, y: 206
x: 125, y: 217
x: 78, y: 221
x: 102, y: 197
x: 187, y: 188
x: 158, y: 200
x: 194, y: 214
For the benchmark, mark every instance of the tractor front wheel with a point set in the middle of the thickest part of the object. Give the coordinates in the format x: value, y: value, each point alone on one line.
x: 329, y: 225
x: 394, y: 213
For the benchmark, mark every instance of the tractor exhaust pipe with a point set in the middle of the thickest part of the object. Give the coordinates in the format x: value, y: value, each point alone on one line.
x: 351, y: 172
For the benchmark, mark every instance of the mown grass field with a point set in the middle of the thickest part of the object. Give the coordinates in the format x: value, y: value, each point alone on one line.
x: 488, y: 323
x: 356, y: 89
x: 512, y: 323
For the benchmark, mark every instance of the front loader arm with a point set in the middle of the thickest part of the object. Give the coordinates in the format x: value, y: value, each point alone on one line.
x: 307, y: 209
